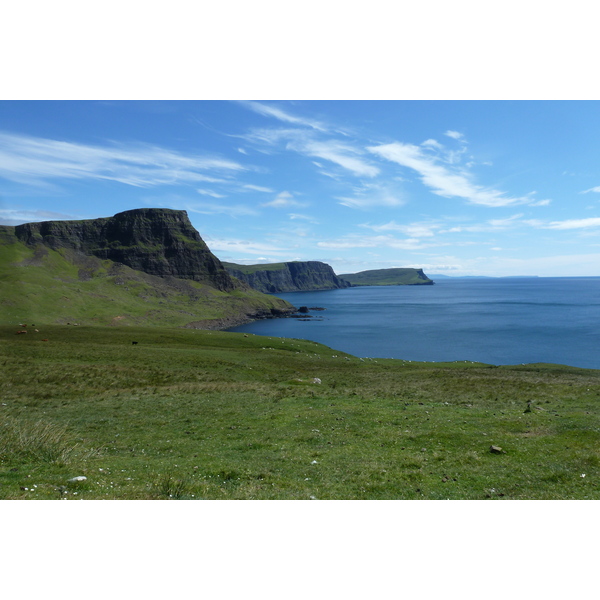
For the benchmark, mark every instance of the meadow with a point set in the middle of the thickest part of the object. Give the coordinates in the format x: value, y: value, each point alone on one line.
x: 195, y: 414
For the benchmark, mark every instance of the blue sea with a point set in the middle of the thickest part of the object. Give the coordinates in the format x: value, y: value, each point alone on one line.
x: 500, y: 321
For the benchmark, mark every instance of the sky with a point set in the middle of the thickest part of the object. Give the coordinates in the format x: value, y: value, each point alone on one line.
x: 494, y: 188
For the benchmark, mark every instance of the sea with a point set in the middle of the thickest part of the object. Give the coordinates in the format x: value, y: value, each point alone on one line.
x: 498, y: 321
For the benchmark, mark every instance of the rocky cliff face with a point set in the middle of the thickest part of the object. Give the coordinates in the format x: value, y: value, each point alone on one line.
x: 288, y: 277
x: 157, y: 241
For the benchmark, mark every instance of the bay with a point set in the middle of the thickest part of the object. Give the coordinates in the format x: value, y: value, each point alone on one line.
x: 497, y: 321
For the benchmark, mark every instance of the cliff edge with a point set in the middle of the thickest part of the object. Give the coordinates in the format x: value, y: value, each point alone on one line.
x: 296, y: 276
x: 157, y: 241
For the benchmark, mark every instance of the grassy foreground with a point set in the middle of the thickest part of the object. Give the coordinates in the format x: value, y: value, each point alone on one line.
x: 189, y: 414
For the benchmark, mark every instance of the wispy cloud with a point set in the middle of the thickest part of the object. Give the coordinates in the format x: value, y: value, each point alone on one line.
x: 309, y: 143
x: 340, y: 153
x: 10, y: 216
x: 268, y: 110
x: 379, y: 241
x: 574, y: 223
x: 205, y: 192
x: 454, y: 134
x: 594, y: 189
x: 372, y: 195
x: 440, y: 179
x: 307, y: 218
x: 412, y: 230
x: 232, y: 210
x: 257, y: 188
x: 24, y: 158
x: 283, y: 200
x: 241, y: 246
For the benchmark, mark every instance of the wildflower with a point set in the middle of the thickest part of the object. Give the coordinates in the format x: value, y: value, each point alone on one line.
x: 583, y: 475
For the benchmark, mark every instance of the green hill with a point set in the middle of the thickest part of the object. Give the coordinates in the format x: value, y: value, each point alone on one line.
x: 58, y: 272
x: 400, y: 276
x: 189, y: 414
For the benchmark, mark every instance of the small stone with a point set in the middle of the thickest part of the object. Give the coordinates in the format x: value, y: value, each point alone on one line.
x: 77, y: 479
x: 496, y: 450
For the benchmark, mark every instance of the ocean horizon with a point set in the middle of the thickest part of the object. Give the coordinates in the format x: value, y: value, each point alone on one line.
x: 494, y: 320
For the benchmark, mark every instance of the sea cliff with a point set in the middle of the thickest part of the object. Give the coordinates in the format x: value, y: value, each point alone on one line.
x: 296, y: 276
x: 140, y: 267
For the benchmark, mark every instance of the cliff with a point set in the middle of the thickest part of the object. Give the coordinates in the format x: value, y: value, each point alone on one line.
x: 140, y: 267
x: 400, y: 276
x: 297, y: 276
x: 157, y: 241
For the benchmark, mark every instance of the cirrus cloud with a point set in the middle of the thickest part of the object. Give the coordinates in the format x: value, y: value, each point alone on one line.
x: 440, y: 179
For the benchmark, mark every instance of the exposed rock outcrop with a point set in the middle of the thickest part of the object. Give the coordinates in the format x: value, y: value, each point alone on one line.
x: 157, y: 241
x: 140, y: 267
x: 296, y: 276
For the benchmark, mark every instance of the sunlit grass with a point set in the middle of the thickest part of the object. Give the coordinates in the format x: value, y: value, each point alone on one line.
x: 213, y: 415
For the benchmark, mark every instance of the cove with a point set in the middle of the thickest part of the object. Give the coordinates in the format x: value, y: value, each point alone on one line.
x: 497, y: 321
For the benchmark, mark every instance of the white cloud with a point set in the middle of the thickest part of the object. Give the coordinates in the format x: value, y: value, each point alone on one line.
x: 10, y: 216
x: 206, y: 208
x: 308, y: 218
x: 379, y: 241
x: 210, y: 193
x: 413, y: 230
x: 454, y: 134
x: 574, y: 223
x: 433, y: 144
x: 283, y: 200
x: 281, y: 115
x: 25, y: 159
x: 340, y: 153
x: 372, y: 195
x: 257, y: 188
x: 305, y: 142
x: 594, y: 189
x: 442, y: 181
x: 244, y: 247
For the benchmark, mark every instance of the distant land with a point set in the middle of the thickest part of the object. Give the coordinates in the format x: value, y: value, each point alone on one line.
x: 440, y: 276
x: 295, y: 276
x: 140, y: 267
x: 398, y: 276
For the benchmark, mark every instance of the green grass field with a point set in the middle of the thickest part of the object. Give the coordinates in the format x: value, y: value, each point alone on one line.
x: 193, y: 414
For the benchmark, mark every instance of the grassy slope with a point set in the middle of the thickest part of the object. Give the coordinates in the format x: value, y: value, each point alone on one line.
x: 401, y: 276
x: 197, y: 414
x: 59, y: 286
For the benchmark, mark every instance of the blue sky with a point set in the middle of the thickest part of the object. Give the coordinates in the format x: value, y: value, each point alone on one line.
x: 453, y: 187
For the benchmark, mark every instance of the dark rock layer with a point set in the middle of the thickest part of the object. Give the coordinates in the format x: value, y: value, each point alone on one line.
x: 297, y: 276
x: 157, y: 241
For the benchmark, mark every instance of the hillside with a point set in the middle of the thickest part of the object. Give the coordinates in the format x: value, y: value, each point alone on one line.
x: 187, y: 414
x: 401, y: 276
x: 144, y: 267
x: 296, y: 276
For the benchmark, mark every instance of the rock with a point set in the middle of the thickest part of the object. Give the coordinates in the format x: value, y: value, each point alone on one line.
x: 157, y: 241
x: 287, y: 277
x: 316, y: 380
x: 496, y: 450
x: 77, y: 479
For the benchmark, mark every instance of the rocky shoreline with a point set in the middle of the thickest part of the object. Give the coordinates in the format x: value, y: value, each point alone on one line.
x: 302, y: 314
